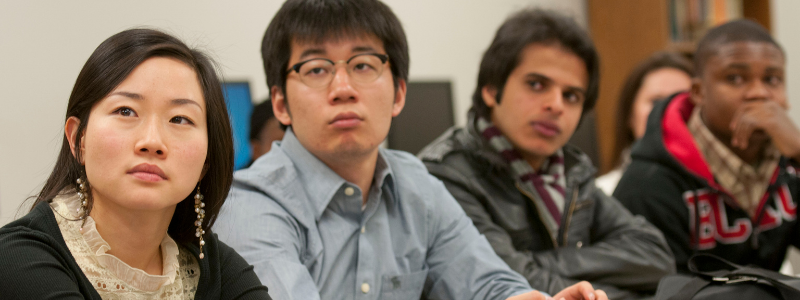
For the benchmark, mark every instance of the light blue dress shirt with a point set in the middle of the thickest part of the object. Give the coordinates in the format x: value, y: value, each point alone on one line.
x: 306, y: 233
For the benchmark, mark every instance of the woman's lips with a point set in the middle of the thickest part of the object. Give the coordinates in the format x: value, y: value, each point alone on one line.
x: 546, y: 129
x: 147, y: 176
x: 147, y: 172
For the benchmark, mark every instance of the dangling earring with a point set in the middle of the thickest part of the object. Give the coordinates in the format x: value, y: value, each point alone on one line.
x: 83, y: 196
x: 201, y: 213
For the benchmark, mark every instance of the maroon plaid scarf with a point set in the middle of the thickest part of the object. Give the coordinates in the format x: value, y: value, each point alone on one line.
x: 547, y: 183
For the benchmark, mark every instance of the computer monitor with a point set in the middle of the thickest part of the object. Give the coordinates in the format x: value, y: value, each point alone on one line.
x: 427, y: 114
x: 240, y: 106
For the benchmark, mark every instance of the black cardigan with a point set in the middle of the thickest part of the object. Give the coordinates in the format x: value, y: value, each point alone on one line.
x: 35, y: 263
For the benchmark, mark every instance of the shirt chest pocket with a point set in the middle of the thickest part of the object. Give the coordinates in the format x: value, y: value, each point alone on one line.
x: 404, y: 286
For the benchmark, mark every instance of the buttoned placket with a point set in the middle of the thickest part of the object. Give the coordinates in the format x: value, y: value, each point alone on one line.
x: 366, y: 285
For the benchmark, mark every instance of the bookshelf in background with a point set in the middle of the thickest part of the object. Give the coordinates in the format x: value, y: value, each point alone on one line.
x: 690, y: 19
x: 627, y: 31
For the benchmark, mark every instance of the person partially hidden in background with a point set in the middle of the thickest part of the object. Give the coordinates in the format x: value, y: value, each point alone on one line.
x: 658, y: 77
x: 717, y: 168
x: 328, y: 214
x: 529, y: 193
x: 264, y: 129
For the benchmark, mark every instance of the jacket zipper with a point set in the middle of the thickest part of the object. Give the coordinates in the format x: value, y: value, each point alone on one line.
x: 530, y: 197
x: 569, y: 215
x: 759, y: 214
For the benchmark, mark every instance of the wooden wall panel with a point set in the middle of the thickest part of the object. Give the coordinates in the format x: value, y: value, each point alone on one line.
x: 625, y: 32
x: 757, y: 10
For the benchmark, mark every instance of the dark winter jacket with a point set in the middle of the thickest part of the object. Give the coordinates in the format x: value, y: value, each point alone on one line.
x: 669, y: 180
x: 599, y: 240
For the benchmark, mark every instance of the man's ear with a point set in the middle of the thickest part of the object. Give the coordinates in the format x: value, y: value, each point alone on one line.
x: 698, y: 93
x: 399, y: 98
x: 489, y: 96
x: 71, y: 132
x: 280, y: 107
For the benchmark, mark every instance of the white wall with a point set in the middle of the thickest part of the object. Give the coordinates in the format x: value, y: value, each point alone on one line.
x: 43, y: 45
x: 785, y: 25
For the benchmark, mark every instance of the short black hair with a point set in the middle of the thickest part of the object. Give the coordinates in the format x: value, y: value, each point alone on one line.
x: 261, y: 114
x: 534, y: 26
x: 734, y: 31
x: 317, y: 21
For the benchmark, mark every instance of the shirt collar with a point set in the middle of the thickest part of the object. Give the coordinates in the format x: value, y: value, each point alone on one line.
x: 384, y: 176
x: 321, y: 183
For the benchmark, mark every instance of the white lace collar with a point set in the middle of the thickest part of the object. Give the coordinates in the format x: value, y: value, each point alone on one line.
x: 68, y: 204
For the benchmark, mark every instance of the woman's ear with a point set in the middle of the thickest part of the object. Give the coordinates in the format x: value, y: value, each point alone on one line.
x: 71, y: 132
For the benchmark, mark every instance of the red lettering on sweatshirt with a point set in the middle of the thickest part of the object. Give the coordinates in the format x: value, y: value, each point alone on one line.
x: 715, y: 227
x: 714, y: 224
x: 785, y: 209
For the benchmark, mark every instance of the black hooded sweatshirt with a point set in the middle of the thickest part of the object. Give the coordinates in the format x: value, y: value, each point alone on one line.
x: 669, y: 180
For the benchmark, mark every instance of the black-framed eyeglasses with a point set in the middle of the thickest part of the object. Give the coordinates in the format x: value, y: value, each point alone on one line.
x: 319, y: 72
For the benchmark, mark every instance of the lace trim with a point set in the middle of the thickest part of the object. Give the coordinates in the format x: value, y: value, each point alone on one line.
x: 111, y: 277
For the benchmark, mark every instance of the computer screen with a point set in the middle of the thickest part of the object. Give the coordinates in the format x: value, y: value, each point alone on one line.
x: 427, y: 114
x: 240, y: 107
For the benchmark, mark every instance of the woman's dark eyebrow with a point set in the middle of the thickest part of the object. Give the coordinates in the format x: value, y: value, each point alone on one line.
x: 133, y: 96
x: 174, y: 102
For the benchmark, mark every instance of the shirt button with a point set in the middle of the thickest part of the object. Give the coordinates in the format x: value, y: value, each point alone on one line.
x: 349, y: 191
x: 365, y: 288
x: 363, y: 229
x: 579, y: 244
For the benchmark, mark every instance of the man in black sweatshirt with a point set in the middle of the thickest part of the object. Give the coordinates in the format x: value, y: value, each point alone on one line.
x: 716, y: 169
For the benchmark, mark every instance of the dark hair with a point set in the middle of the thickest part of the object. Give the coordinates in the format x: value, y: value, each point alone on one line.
x: 316, y: 21
x: 657, y: 61
x: 734, y: 31
x: 105, y: 69
x: 261, y: 114
x: 533, y: 26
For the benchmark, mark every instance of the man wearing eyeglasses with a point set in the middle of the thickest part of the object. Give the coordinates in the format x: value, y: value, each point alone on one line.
x: 327, y: 214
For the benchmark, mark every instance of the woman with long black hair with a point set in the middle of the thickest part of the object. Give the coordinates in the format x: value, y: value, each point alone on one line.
x: 145, y: 165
